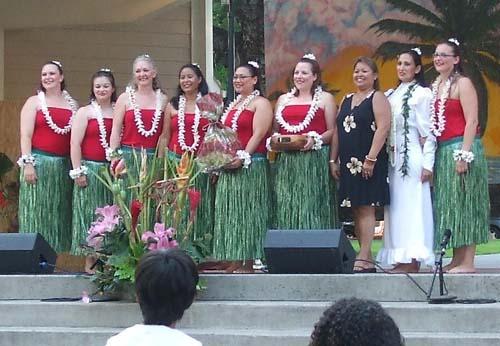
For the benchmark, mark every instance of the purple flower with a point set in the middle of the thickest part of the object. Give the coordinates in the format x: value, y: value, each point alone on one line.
x: 160, y: 238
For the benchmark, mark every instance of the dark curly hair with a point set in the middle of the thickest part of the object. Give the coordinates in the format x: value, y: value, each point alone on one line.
x: 356, y: 322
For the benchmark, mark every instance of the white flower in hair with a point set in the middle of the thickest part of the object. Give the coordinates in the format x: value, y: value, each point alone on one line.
x: 55, y: 62
x: 254, y: 64
x: 454, y: 40
x: 309, y: 56
x: 105, y: 69
x: 195, y: 64
x: 417, y: 50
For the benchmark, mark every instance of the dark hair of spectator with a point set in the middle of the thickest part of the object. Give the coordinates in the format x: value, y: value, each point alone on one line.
x: 103, y: 73
x: 165, y: 284
x: 372, y: 65
x: 356, y: 322
x: 63, y: 83
x: 202, y: 87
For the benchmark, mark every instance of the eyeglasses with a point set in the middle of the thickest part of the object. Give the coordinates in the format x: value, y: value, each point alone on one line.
x: 237, y: 76
x: 442, y: 55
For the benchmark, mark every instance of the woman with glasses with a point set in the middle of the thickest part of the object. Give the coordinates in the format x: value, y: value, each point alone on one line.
x: 242, y: 199
x: 89, y: 141
x: 45, y: 186
x: 304, y: 192
x: 461, y: 201
x: 409, y: 228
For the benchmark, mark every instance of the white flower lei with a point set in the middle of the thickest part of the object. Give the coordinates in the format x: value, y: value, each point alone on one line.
x: 100, y: 122
x: 182, y: 125
x: 438, y: 121
x: 137, y: 112
x: 309, y: 116
x: 45, y: 110
x: 239, y: 110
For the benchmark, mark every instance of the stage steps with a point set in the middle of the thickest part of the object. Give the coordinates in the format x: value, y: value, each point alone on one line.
x: 250, y: 310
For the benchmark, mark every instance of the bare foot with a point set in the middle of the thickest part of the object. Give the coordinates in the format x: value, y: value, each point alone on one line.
x: 405, y: 268
x: 449, y: 266
x: 363, y: 263
x: 462, y: 270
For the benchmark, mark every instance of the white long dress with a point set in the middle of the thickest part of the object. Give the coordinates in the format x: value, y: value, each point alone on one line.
x: 409, y: 226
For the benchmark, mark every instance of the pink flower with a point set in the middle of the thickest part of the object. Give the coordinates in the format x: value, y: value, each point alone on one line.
x: 109, y: 215
x: 161, y: 238
x: 118, y: 168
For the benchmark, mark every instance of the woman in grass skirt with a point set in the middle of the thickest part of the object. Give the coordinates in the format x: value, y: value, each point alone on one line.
x: 409, y: 227
x: 461, y: 173
x: 89, y: 140
x: 304, y: 193
x: 138, y: 119
x: 242, y: 199
x: 45, y: 190
x: 183, y: 131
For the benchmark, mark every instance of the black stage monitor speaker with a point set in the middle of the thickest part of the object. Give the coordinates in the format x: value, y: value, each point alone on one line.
x: 25, y: 253
x: 308, y: 252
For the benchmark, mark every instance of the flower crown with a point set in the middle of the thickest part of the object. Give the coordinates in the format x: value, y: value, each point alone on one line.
x: 417, y: 50
x: 55, y: 62
x: 105, y: 69
x: 254, y: 64
x: 454, y: 40
x: 309, y: 56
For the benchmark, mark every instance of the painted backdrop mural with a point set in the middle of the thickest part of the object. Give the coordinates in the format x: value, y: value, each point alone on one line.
x: 337, y: 32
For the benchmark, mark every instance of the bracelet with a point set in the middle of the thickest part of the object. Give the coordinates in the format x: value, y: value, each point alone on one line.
x: 463, y: 155
x: 318, y: 141
x: 113, y: 154
x: 370, y: 159
x: 268, y: 141
x: 26, y: 160
x: 244, y: 157
x: 333, y: 161
x: 78, y: 172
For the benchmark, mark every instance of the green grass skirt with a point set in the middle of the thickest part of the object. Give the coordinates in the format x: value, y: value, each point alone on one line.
x: 45, y: 207
x: 304, y: 193
x: 461, y: 202
x: 85, y: 202
x: 242, y: 212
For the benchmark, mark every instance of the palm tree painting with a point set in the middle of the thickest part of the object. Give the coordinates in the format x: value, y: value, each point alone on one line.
x: 475, y: 23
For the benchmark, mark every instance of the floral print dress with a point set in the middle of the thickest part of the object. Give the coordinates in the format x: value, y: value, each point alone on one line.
x: 356, y: 128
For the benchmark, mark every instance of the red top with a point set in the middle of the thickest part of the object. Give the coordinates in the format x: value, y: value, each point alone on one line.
x: 174, y: 145
x: 131, y: 136
x: 295, y: 114
x: 455, y: 120
x: 91, y: 144
x: 45, y: 139
x: 245, y: 129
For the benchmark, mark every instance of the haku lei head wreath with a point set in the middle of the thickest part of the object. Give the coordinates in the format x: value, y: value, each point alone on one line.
x: 254, y: 64
x: 309, y: 56
x: 55, y: 62
x: 417, y: 50
x: 454, y: 40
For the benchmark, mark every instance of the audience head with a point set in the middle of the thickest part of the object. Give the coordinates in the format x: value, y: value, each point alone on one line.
x: 356, y: 322
x: 165, y: 284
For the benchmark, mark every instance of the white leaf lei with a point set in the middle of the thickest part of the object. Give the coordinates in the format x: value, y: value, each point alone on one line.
x: 137, y: 113
x: 438, y: 121
x: 309, y: 116
x: 100, y: 122
x: 45, y: 110
x: 239, y: 110
x: 182, y: 125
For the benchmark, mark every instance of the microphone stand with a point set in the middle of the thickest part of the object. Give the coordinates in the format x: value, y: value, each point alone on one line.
x: 443, y: 297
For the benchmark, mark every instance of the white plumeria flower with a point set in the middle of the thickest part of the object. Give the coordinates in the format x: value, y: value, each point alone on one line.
x: 346, y: 203
x: 354, y: 166
x: 373, y: 126
x: 349, y: 123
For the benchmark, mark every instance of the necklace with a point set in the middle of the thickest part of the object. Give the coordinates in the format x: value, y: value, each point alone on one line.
x: 239, y: 110
x: 182, y: 125
x: 138, y: 116
x: 48, y: 118
x: 438, y: 121
x: 309, y: 116
x: 100, y: 122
